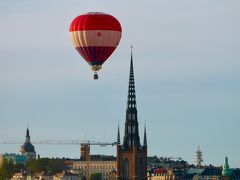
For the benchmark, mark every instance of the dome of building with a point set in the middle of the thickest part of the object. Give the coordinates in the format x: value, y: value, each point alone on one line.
x: 27, y: 147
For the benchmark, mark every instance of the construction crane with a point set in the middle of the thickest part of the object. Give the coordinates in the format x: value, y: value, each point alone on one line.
x: 64, y: 142
x: 84, y: 147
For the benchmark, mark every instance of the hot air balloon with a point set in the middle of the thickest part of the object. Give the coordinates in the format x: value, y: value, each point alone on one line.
x: 95, y: 36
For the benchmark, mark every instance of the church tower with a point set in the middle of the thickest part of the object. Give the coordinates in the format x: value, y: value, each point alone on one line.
x: 131, y: 155
x: 27, y: 148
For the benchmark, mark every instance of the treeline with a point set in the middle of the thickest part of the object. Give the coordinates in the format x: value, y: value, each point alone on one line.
x: 8, y: 168
x: 50, y: 166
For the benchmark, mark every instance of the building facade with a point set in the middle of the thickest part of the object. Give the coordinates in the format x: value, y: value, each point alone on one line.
x: 86, y: 168
x: 164, y: 175
x: 131, y: 155
x: 93, y: 164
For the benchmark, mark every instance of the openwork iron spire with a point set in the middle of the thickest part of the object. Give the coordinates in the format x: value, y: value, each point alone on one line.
x: 131, y: 87
x: 131, y: 136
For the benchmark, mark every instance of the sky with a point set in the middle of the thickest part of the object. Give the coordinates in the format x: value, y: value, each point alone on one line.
x: 187, y: 77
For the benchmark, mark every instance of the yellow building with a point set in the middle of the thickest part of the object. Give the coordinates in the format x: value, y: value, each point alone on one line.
x: 86, y: 168
x: 92, y: 164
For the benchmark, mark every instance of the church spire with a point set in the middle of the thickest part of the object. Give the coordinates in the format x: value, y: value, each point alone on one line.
x: 27, y: 135
x: 131, y: 136
x: 118, y: 136
x: 131, y: 87
x: 226, y: 170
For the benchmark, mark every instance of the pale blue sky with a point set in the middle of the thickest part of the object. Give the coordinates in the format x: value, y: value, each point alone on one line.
x: 187, y: 71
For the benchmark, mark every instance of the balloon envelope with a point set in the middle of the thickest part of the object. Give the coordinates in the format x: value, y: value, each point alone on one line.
x: 95, y: 36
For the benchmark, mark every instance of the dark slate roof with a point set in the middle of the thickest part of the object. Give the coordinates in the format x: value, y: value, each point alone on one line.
x: 211, y: 172
x: 28, y: 147
x: 188, y: 176
x: 191, y: 172
x: 236, y: 172
x: 178, y: 172
x: 195, y: 171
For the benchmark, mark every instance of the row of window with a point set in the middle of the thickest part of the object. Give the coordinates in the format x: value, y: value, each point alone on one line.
x: 94, y: 167
x: 95, y: 162
x: 104, y: 174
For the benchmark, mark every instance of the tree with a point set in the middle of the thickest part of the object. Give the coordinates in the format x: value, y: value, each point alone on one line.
x: 4, y: 174
x: 56, y: 165
x: 19, y: 168
x: 6, y: 170
x: 51, y: 166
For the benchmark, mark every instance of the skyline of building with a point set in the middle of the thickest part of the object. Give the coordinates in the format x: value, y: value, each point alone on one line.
x: 161, y: 168
x: 187, y: 75
x: 85, y: 150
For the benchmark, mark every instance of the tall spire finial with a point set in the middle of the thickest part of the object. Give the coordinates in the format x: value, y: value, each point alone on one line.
x: 131, y: 65
x: 131, y: 51
x: 27, y: 131
x: 145, y: 136
x: 118, y: 136
x: 27, y: 135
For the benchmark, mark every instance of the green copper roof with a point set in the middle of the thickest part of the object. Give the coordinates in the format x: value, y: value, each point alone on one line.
x: 226, y: 171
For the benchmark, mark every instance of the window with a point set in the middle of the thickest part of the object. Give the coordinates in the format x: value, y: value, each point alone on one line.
x: 129, y: 143
x: 140, y: 168
x: 129, y: 129
x: 125, y: 169
x: 133, y: 129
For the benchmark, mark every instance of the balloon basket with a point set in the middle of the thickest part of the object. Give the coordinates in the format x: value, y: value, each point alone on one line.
x: 95, y: 76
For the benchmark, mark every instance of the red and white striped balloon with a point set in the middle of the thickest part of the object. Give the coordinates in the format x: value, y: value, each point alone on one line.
x: 95, y: 36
